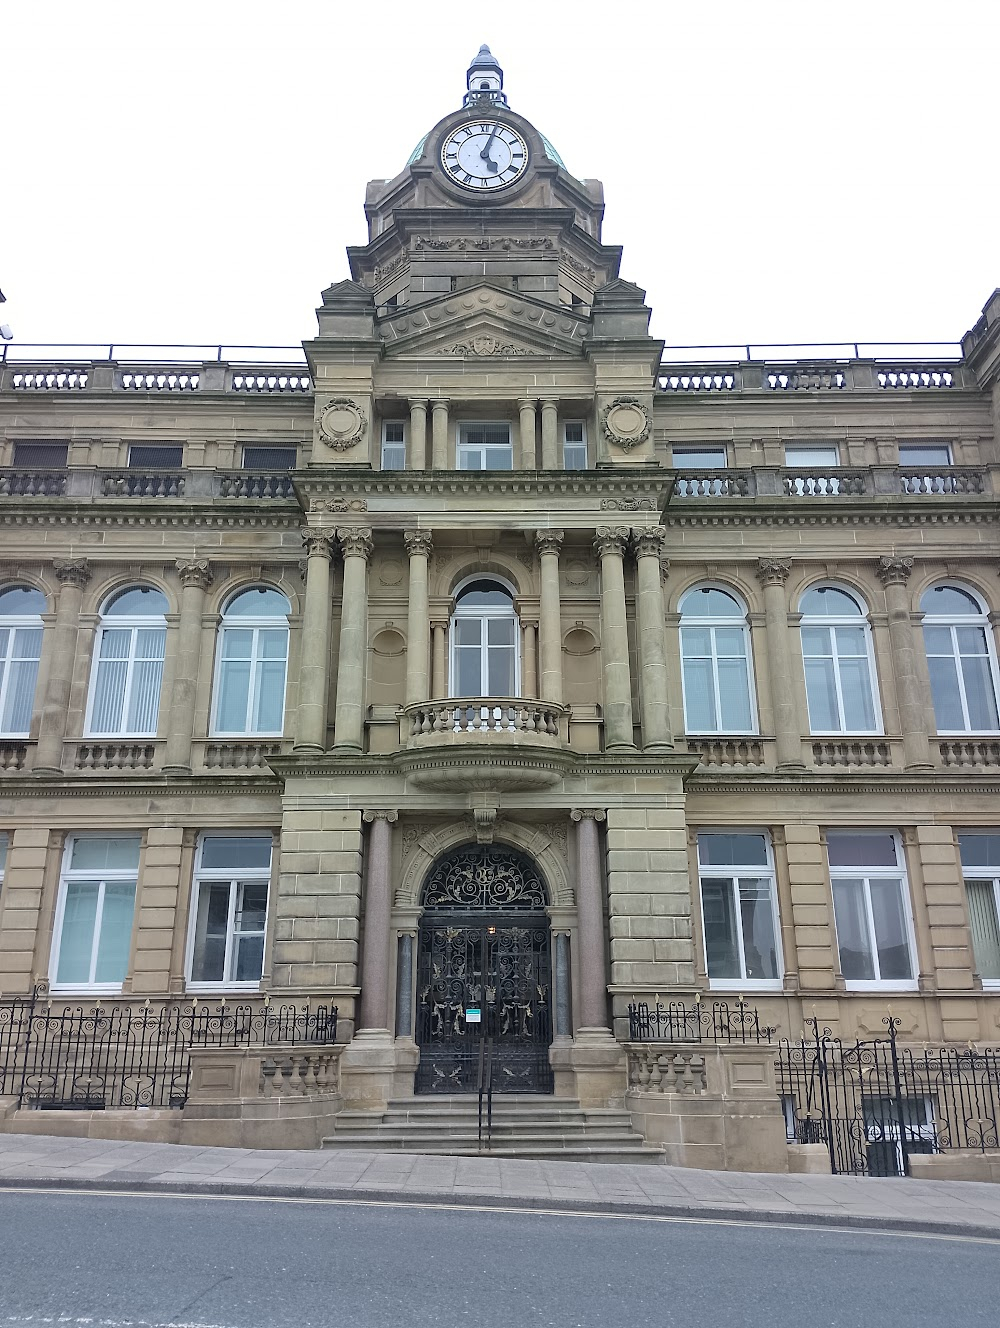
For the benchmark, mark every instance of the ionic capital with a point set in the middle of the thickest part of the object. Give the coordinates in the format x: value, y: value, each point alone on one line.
x: 894, y: 571
x: 196, y: 573
x: 317, y: 543
x: 773, y: 571
x: 380, y: 814
x: 611, y: 539
x: 356, y: 541
x: 72, y: 571
x: 648, y: 541
x: 439, y: 403
x: 588, y: 813
x: 419, y: 543
x: 417, y: 403
x: 549, y: 541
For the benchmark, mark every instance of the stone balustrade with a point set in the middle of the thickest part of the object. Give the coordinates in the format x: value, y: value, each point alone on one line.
x: 32, y: 484
x: 833, y: 482
x: 672, y: 1069
x: 117, y: 756
x: 484, y: 719
x: 729, y: 751
x: 970, y: 752
x: 251, y: 755
x: 15, y: 756
x: 137, y: 484
x: 854, y: 752
x: 299, y: 1072
x: 840, y: 375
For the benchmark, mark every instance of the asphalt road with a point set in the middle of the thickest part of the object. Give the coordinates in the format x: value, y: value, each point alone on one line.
x: 123, y: 1261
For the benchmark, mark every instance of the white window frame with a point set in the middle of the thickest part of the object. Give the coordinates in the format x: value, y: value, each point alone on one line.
x: 842, y: 620
x: 113, y: 875
x: 256, y: 625
x: 483, y: 613
x: 580, y: 443
x: 387, y: 443
x: 14, y: 624
x: 464, y: 449
x: 991, y: 875
x: 708, y: 622
x: 680, y: 457
x: 235, y: 879
x: 954, y: 621
x: 926, y: 447
x: 812, y: 450
x: 734, y: 873
x: 133, y: 624
x: 867, y: 875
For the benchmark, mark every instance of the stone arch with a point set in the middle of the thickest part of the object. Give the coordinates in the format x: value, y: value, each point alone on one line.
x: 535, y: 841
x: 513, y: 881
x: 729, y: 582
x: 461, y: 567
x: 103, y: 590
x: 581, y: 667
x: 388, y: 667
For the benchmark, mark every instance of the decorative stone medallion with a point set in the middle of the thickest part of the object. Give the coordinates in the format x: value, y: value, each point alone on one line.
x: 342, y: 423
x: 626, y: 422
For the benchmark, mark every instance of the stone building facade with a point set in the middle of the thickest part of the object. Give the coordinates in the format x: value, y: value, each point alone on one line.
x: 680, y: 678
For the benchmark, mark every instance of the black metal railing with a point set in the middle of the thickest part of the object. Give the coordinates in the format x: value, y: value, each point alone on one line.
x: 875, y: 1103
x: 674, y: 1021
x: 118, y: 1055
x: 484, y: 1087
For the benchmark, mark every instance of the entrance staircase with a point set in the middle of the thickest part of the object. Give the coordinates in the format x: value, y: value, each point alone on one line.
x: 524, y: 1125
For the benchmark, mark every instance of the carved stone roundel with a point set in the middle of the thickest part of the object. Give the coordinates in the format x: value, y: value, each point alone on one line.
x: 626, y: 422
x: 341, y: 423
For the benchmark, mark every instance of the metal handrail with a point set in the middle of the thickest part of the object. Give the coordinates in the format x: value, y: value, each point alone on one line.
x: 484, y: 1087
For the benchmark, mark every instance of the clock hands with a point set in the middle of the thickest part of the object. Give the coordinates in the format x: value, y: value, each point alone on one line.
x: 485, y: 154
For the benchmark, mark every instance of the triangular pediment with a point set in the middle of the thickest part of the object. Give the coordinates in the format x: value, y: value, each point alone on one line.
x: 484, y: 321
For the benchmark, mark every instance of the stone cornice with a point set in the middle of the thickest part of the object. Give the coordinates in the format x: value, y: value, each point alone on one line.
x: 968, y: 780
x: 150, y: 786
x: 569, y: 763
x: 173, y: 513
x: 630, y: 481
x: 826, y: 512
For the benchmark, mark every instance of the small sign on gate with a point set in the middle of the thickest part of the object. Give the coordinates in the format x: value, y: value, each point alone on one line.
x: 473, y: 1015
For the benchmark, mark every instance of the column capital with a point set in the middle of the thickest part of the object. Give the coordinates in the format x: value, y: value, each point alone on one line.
x: 356, y: 541
x: 588, y: 814
x: 317, y: 543
x: 648, y: 541
x: 72, y: 571
x: 380, y: 814
x: 418, y: 542
x: 549, y: 541
x: 611, y: 539
x: 417, y: 403
x: 527, y: 403
x: 439, y: 403
x: 773, y: 571
x: 894, y: 571
x: 549, y: 403
x: 197, y: 572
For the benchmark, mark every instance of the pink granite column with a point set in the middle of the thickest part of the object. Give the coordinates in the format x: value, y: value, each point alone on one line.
x: 592, y: 963
x: 374, y: 1012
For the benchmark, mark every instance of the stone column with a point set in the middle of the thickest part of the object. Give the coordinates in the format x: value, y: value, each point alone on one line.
x: 526, y: 435
x: 374, y: 1013
x: 404, y: 985
x: 654, y: 701
x: 195, y: 578
x: 418, y: 435
x: 610, y: 545
x: 563, y: 995
x: 550, y: 683
x: 439, y: 661
x: 418, y: 623
x: 772, y: 573
x: 529, y: 660
x: 314, y: 682
x: 914, y: 715
x: 550, y: 436
x: 439, y: 436
x: 356, y: 543
x: 72, y: 575
x: 590, y: 915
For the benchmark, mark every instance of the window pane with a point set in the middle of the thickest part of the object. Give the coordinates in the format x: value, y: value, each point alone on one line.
x: 985, y: 927
x: 971, y: 640
x: 93, y: 853
x: 146, y: 457
x: 260, y: 602
x: 501, y: 671
x: 821, y: 696
x: 980, y: 850
x: 948, y: 600
x: 732, y: 850
x: 696, y: 641
x: 499, y: 458
x: 721, y: 946
x: 890, y: 930
x: 828, y: 601
x: 500, y: 631
x: 237, y: 642
x: 20, y: 602
x: 850, y: 641
x: 236, y: 852
x: 20, y: 697
x: 699, y: 697
x: 273, y: 643
x: 393, y: 456
x: 234, y: 692
x: 734, y: 690
x: 947, y: 699
x: 269, y: 458
x: 856, y: 961
x: 468, y: 631
x: 760, y: 945
x: 77, y: 938
x: 811, y: 456
x: 270, y: 697
x: 852, y: 848
x: 469, y: 672
x: 924, y: 455
x: 979, y: 694
x: 696, y: 458
x: 707, y: 602
x: 139, y: 602
x: 859, y: 704
x: 209, y: 960
x: 248, y: 959
x: 116, y: 932
x: 251, y: 906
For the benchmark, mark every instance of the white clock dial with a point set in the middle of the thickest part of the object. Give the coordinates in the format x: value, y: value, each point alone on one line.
x: 484, y: 155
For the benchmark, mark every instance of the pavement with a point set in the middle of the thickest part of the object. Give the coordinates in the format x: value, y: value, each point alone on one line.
x: 963, y: 1208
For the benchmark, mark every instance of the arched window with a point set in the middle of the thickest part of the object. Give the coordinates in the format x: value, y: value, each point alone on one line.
x: 961, y: 660
x: 716, y: 674
x: 839, y: 662
x: 251, y: 664
x: 484, y: 634
x: 20, y: 651
x: 128, y: 665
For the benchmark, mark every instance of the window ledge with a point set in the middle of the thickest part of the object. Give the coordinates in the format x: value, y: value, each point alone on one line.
x: 881, y: 986
x: 222, y: 988
x: 749, y: 985
x: 78, y: 989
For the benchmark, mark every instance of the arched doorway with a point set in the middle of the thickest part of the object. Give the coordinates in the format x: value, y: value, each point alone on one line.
x: 484, y: 947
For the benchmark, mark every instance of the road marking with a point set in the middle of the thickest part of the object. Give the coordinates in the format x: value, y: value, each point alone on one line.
x: 487, y: 1208
x: 106, y: 1323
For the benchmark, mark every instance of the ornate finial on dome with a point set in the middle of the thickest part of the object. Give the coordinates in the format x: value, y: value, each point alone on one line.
x: 484, y: 80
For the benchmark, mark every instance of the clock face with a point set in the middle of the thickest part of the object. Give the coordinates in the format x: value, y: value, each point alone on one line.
x: 484, y: 155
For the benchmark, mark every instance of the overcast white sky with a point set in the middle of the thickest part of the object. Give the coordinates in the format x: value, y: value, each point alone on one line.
x: 192, y: 171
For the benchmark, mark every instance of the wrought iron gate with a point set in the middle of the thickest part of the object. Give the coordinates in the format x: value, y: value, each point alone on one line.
x: 484, y: 949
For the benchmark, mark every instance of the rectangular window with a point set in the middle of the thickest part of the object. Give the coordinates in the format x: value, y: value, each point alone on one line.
x: 250, y: 680
x: 269, y: 458
x: 20, y: 653
x: 155, y: 456
x: 871, y: 910
x: 814, y: 458
x: 980, y: 855
x: 924, y: 454
x: 485, y: 447
x: 229, y: 911
x: 93, y: 928
x: 699, y: 458
x: 739, y: 911
x: 574, y: 445
x: 128, y: 673
x: 393, y: 445
x: 41, y: 456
